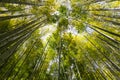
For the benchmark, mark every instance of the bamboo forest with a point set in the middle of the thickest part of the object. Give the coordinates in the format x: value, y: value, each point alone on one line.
x: 59, y: 39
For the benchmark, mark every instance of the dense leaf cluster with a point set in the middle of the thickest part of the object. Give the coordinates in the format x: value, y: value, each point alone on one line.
x: 59, y: 40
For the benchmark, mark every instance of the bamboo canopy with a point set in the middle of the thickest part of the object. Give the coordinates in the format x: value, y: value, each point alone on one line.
x: 59, y: 40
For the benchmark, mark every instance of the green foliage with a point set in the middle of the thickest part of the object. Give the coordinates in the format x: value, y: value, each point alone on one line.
x: 4, y: 26
x: 63, y: 22
x: 63, y: 10
x: 82, y: 44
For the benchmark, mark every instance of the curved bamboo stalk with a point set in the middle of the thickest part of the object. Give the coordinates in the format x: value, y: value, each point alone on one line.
x: 12, y: 41
x: 20, y: 3
x: 102, y: 9
x: 110, y: 32
x: 96, y: 1
x: 109, y: 43
x: 113, y: 22
x: 16, y: 36
x: 9, y: 11
x: 2, y: 18
x: 108, y: 16
x: 17, y: 30
x: 108, y: 37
